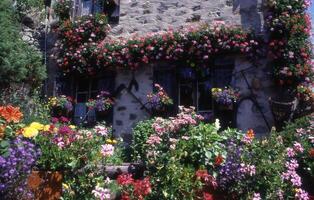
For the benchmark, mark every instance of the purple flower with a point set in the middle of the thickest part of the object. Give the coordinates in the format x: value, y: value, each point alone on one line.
x: 15, y: 168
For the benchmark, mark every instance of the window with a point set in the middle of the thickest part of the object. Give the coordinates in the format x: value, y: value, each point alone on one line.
x: 192, y: 87
x: 89, y: 88
x: 109, y: 7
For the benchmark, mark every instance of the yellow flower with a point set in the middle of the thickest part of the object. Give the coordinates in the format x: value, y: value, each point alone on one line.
x: 109, y: 141
x: 30, y: 132
x: 72, y: 126
x: 66, y: 186
x: 37, y: 126
x: 46, y: 128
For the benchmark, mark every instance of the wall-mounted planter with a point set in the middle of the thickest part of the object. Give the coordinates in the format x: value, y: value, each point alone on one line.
x: 282, y: 111
x: 46, y: 185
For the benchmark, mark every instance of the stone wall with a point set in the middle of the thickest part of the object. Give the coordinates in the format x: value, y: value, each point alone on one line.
x: 144, y: 16
x: 128, y: 109
x: 254, y: 83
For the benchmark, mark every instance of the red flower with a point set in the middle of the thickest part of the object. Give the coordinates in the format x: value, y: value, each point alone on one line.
x: 218, y: 160
x: 207, y: 196
x: 142, y: 187
x: 125, y: 179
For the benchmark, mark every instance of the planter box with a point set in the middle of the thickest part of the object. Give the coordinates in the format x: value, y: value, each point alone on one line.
x: 46, y: 185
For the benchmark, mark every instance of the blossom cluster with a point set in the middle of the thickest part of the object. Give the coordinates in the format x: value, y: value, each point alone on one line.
x: 196, y: 44
x: 225, y: 96
x: 159, y: 98
x: 132, y: 189
x: 15, y: 168
x: 291, y: 174
x: 10, y: 116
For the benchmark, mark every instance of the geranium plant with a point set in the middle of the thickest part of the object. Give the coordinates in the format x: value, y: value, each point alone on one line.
x: 103, y: 102
x: 225, y: 96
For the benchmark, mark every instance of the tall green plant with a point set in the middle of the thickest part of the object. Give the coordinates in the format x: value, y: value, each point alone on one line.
x: 19, y: 62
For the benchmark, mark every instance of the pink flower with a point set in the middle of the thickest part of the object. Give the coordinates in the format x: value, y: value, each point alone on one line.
x: 107, y: 150
x: 153, y: 139
x: 298, y: 147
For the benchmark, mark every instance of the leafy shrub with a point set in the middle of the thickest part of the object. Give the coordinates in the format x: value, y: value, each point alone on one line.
x: 18, y: 61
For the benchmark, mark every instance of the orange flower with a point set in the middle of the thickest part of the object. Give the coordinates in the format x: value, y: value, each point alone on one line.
x: 11, y: 114
x: 218, y: 160
x: 250, y: 134
x: 2, y: 129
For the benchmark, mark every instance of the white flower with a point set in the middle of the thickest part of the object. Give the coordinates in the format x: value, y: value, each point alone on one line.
x: 217, y: 124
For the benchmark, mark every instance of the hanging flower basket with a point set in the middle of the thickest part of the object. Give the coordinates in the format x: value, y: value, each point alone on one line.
x: 46, y: 185
x: 282, y: 111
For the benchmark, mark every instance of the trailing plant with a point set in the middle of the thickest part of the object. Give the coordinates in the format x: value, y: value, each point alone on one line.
x: 225, y: 96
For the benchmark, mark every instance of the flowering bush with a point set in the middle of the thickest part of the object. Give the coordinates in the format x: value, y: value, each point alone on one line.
x: 77, y: 46
x: 62, y: 102
x: 103, y: 102
x: 159, y: 98
x: 175, y: 148
x: 80, y: 154
x: 193, y: 44
x: 225, y: 96
x: 62, y: 9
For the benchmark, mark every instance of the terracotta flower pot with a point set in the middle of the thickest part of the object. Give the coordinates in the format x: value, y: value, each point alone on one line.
x: 46, y: 185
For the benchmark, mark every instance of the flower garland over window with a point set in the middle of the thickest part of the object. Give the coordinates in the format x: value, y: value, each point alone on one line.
x: 193, y: 45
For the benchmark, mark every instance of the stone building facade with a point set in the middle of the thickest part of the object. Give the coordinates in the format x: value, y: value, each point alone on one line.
x: 139, y: 17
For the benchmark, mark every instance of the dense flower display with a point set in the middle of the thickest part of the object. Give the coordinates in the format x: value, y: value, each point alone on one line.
x: 103, y: 102
x: 225, y: 96
x: 290, y: 47
x: 193, y: 44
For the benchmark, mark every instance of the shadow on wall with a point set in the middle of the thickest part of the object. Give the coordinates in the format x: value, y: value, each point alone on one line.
x: 250, y: 17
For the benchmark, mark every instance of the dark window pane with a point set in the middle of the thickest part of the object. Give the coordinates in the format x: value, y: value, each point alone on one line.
x: 186, y: 95
x: 222, y: 77
x: 82, y: 98
x: 204, y: 96
x: 83, y: 85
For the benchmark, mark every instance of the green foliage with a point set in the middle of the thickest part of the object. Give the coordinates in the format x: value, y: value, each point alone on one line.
x: 18, y: 61
x: 25, y: 5
x: 141, y: 132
